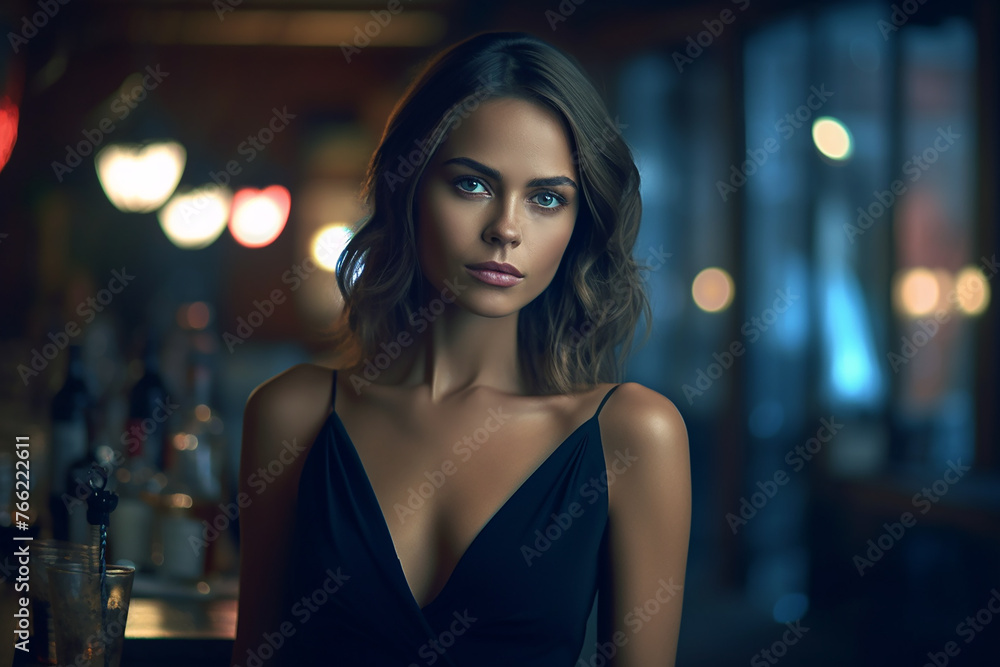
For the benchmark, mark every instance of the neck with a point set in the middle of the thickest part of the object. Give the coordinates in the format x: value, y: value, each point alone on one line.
x: 456, y: 351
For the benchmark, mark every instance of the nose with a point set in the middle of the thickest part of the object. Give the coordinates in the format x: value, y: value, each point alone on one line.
x: 505, y: 226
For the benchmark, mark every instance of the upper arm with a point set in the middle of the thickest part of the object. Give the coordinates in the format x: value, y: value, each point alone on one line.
x: 649, y: 526
x: 286, y: 408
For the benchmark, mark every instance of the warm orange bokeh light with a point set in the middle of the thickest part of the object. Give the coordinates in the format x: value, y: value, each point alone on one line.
x: 917, y: 291
x: 712, y: 290
x: 972, y: 291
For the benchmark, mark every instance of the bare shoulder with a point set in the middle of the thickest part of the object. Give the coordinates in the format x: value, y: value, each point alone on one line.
x: 643, y: 418
x: 642, y: 425
x: 649, y: 519
x: 291, y: 405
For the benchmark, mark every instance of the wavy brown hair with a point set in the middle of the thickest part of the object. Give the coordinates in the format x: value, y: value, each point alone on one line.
x: 579, y: 330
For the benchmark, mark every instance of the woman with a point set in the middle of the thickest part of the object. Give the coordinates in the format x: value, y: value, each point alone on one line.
x: 424, y: 512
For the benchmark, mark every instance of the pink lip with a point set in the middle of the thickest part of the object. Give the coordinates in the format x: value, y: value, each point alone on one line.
x: 497, y: 266
x: 495, y: 278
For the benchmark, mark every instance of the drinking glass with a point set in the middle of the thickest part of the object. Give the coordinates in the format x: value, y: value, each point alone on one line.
x: 89, y: 627
x: 46, y: 553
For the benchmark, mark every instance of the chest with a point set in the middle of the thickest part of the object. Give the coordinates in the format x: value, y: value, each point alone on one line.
x: 440, y: 478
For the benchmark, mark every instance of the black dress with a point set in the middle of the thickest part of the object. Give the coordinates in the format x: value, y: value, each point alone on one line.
x: 520, y: 595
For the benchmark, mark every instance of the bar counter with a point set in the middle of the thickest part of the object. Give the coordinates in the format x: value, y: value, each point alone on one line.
x: 174, y: 631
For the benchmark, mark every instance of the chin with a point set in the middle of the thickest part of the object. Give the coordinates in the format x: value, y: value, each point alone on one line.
x: 492, y: 305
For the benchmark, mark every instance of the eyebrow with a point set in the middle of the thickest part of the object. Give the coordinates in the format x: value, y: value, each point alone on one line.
x: 495, y: 175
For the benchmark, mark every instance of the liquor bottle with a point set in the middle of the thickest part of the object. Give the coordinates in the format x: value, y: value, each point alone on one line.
x: 71, y: 432
x: 140, y: 477
x: 150, y: 409
x: 194, y: 474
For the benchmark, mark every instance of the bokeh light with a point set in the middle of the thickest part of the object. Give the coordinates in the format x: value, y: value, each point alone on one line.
x: 712, y: 290
x: 139, y: 178
x: 8, y: 129
x: 328, y: 243
x: 832, y: 138
x: 972, y: 291
x: 195, y: 219
x: 917, y: 291
x: 259, y: 216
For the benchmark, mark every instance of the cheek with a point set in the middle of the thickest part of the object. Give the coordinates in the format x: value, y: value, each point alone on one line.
x: 552, y: 247
x: 436, y: 228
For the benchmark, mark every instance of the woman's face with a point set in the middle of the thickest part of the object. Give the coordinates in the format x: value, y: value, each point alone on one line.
x: 503, y: 188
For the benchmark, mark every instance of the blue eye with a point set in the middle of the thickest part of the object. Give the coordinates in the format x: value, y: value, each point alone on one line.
x: 555, y: 200
x: 547, y: 200
x: 467, y: 179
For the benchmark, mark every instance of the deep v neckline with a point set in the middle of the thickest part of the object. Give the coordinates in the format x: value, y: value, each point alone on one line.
x: 387, y: 534
x: 384, y: 526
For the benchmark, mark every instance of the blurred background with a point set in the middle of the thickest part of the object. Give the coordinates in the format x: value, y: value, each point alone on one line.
x: 819, y: 222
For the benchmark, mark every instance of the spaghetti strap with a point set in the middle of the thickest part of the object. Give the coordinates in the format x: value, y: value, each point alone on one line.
x: 333, y: 396
x: 605, y: 399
